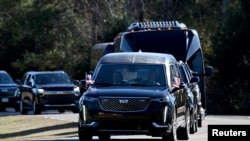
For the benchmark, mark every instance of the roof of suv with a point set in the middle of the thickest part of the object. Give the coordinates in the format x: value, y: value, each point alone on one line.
x: 44, y: 72
x: 137, y: 57
x: 3, y: 71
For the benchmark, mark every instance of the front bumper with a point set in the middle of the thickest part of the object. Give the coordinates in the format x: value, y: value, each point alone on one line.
x: 9, y: 101
x: 129, y: 128
x: 50, y: 105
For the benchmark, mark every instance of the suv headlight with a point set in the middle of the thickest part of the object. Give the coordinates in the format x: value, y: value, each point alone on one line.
x: 40, y: 91
x: 167, y: 98
x: 77, y: 91
x: 17, y: 93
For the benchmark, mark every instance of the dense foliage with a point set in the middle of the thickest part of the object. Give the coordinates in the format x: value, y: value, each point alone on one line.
x: 51, y: 35
x: 231, y: 58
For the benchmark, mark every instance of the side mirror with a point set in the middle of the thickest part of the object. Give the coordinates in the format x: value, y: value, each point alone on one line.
x: 208, y: 72
x: 76, y: 82
x: 82, y: 83
x: 195, y: 79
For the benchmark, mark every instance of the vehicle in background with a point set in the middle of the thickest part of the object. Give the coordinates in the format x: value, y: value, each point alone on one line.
x: 47, y: 90
x: 194, y: 85
x: 98, y: 50
x: 171, y: 37
x: 8, y: 92
x: 135, y: 93
x: 192, y: 82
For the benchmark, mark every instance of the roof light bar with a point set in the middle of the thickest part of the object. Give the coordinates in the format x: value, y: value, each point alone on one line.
x: 156, y: 25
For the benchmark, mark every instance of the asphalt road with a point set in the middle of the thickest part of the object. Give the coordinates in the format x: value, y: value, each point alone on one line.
x: 201, y: 135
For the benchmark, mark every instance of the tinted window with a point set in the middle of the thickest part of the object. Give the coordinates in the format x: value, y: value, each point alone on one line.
x: 5, y: 78
x: 129, y: 72
x: 52, y: 78
x: 184, y: 75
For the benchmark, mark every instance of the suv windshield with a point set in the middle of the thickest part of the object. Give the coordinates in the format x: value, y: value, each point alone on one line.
x: 52, y: 78
x: 130, y: 74
x: 5, y: 78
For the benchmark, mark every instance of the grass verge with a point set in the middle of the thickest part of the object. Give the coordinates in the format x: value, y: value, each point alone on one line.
x: 20, y: 128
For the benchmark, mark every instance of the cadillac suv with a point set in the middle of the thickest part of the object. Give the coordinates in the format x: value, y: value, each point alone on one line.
x: 135, y: 93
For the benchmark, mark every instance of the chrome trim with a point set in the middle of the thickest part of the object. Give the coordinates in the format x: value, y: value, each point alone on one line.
x: 49, y: 105
x: 58, y: 92
x: 165, y: 114
x: 84, y: 113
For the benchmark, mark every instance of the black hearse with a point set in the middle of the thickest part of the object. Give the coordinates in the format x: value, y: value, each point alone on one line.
x: 122, y: 98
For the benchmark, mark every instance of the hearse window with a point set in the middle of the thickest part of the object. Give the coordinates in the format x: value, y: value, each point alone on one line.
x: 136, y: 74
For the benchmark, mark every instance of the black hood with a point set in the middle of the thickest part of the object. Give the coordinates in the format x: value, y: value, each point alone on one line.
x: 127, y: 91
x: 57, y: 86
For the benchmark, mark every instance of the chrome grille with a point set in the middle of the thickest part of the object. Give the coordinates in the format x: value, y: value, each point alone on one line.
x: 126, y: 104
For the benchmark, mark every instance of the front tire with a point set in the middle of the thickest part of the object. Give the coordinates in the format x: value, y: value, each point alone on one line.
x: 22, y: 110
x: 196, y: 123
x: 200, y: 121
x: 183, y: 132
x: 173, y: 135
x: 61, y: 111
x: 35, y: 109
x: 104, y: 136
x: 2, y: 107
x: 200, y: 117
x: 84, y: 135
x: 75, y: 110
x: 17, y: 108
x: 193, y: 121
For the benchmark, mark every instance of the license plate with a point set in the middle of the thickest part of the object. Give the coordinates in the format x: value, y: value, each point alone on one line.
x: 5, y: 100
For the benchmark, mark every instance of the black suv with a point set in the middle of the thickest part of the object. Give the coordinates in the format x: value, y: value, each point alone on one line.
x: 193, y: 81
x: 8, y: 92
x: 44, y: 90
x: 135, y: 93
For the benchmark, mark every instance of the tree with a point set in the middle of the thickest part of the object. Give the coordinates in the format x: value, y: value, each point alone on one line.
x: 231, y: 58
x: 45, y: 35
